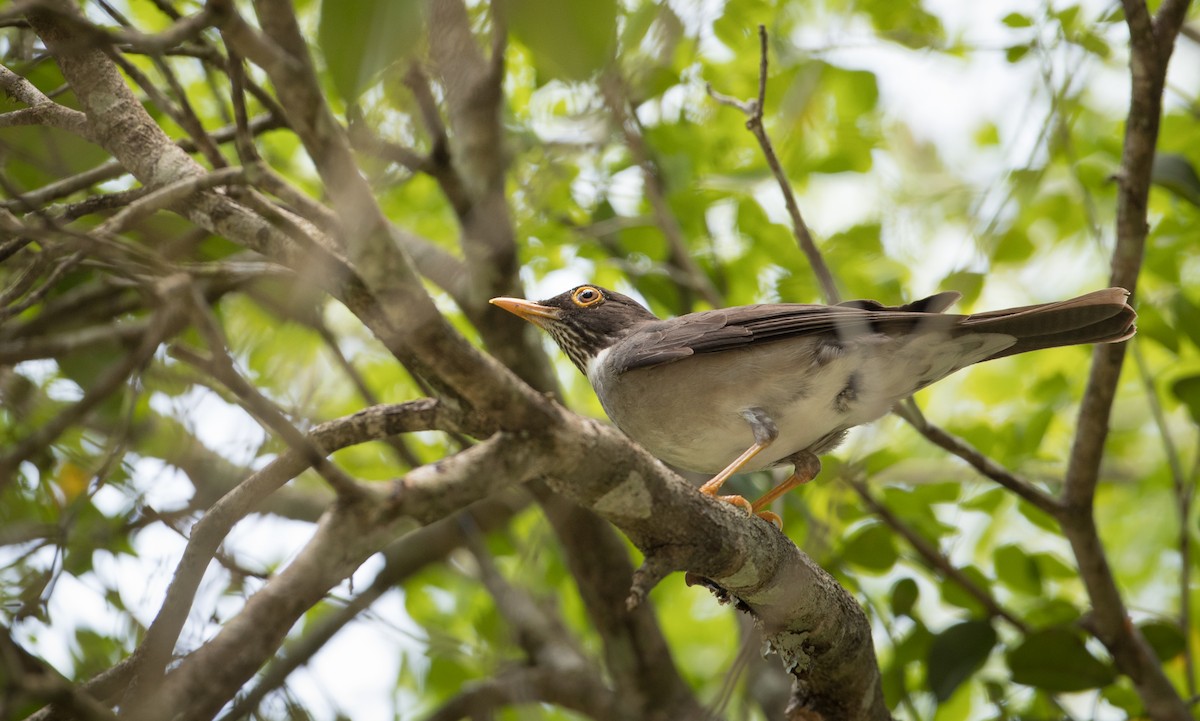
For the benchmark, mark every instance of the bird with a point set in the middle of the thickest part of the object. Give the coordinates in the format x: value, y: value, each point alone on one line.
x: 751, y: 387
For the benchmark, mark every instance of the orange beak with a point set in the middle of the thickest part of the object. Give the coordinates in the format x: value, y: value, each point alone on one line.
x: 535, y: 313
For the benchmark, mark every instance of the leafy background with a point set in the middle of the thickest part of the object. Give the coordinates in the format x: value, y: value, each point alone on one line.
x: 931, y: 146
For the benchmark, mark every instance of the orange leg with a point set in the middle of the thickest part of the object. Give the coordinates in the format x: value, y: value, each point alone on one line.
x: 807, y: 468
x: 765, y: 433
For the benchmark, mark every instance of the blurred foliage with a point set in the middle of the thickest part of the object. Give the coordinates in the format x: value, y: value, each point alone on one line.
x: 1018, y: 207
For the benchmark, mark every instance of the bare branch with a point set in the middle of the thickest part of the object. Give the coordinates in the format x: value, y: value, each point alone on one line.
x: 373, y: 423
x: 167, y: 321
x: 816, y: 627
x: 1151, y: 40
x: 42, y: 110
x: 617, y: 99
x: 934, y: 558
x: 754, y: 123
x: 401, y: 559
x: 980, y: 462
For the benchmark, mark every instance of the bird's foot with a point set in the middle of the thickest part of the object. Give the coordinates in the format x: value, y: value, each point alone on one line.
x: 752, y: 509
x: 807, y: 468
x: 738, y: 501
x: 771, y: 517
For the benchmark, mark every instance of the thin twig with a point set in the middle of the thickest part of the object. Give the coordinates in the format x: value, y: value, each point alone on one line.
x: 1183, y: 505
x: 221, y: 366
x: 754, y: 123
x: 934, y: 558
x: 980, y: 462
x: 402, y: 559
x: 166, y: 322
x: 626, y: 119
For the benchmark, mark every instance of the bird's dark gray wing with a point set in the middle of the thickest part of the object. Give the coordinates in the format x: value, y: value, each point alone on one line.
x: 712, y: 331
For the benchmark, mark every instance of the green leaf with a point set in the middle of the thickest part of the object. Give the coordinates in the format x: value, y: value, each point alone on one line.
x: 1122, y: 695
x: 1017, y: 20
x: 872, y: 547
x: 1017, y: 570
x: 359, y: 38
x: 955, y: 595
x: 1055, y: 659
x: 1187, y: 390
x: 965, y: 282
x: 1175, y: 173
x: 904, y: 596
x: 1053, y: 612
x: 1152, y: 323
x: 1038, y: 517
x: 1068, y: 17
x: 569, y: 41
x: 907, y: 23
x: 986, y: 502
x: 738, y: 22
x: 1165, y: 638
x: 1016, y: 52
x: 1094, y: 44
x: 1187, y: 315
x: 1013, y: 247
x: 1051, y: 566
x: 956, y: 654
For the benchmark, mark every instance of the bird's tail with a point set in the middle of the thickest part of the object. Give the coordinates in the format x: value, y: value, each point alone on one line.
x: 1103, y: 316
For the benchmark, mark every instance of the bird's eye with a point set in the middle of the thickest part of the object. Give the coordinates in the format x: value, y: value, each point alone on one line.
x: 586, y: 296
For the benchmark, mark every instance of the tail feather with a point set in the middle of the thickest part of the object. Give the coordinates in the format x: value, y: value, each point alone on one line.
x: 1103, y: 316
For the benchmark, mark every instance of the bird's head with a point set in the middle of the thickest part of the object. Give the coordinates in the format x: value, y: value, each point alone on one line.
x: 583, y: 321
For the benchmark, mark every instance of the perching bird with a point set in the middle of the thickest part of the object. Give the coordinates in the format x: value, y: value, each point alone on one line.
x: 751, y: 387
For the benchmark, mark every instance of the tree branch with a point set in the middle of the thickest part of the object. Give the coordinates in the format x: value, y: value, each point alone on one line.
x: 42, y: 110
x: 1151, y: 40
x: 625, y: 118
x: 934, y: 558
x: 402, y: 559
x: 977, y: 460
x: 151, y: 657
x: 754, y: 123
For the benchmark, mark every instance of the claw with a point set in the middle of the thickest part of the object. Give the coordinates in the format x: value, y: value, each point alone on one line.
x: 739, y: 502
x: 771, y: 517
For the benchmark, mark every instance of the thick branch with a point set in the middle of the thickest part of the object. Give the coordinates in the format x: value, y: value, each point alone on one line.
x: 576, y: 691
x: 817, y: 628
x: 370, y: 424
x: 42, y: 110
x: 401, y: 559
x: 1151, y: 40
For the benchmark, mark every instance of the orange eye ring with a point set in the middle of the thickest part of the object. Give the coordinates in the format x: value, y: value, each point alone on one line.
x: 586, y: 296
